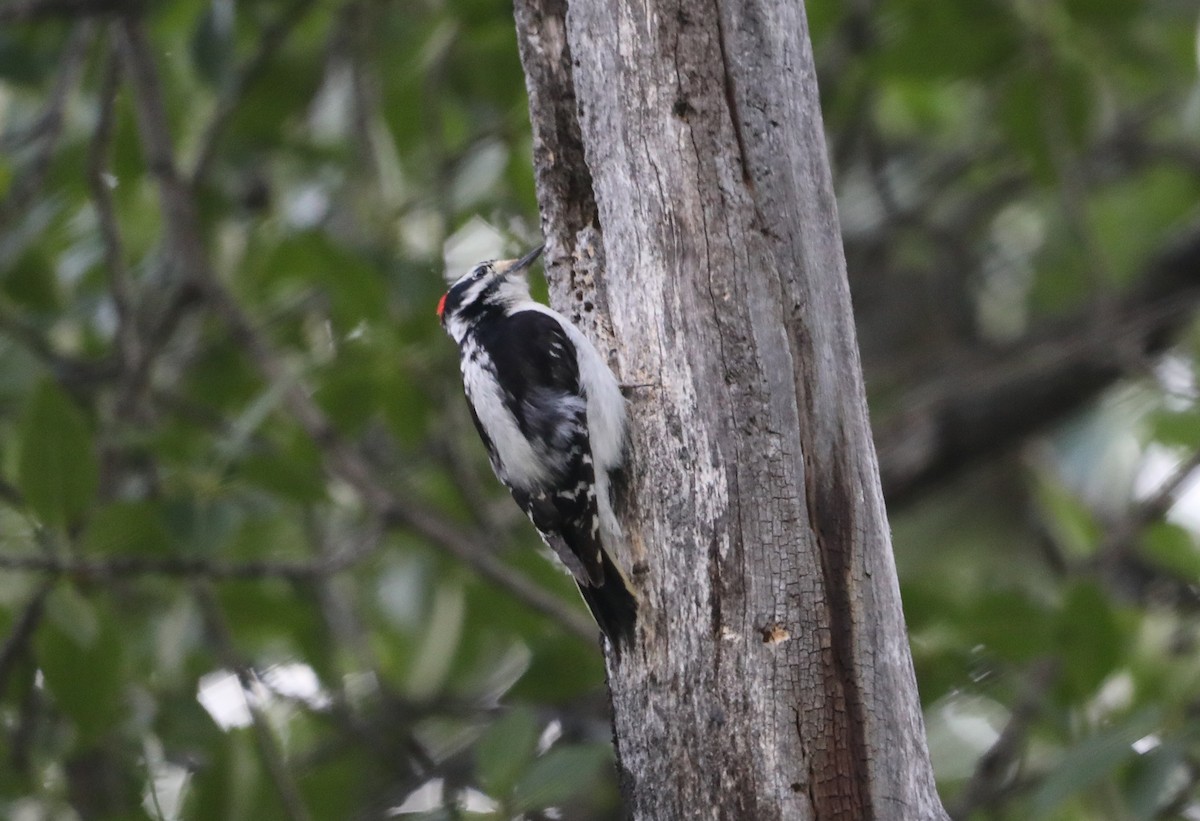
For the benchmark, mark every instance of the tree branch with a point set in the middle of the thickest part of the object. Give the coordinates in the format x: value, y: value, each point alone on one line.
x: 22, y: 632
x: 119, y: 282
x: 179, y: 209
x: 48, y: 126
x: 74, y: 373
x: 1159, y: 503
x: 269, y: 42
x: 983, y: 406
x: 268, y: 745
x: 131, y: 566
x: 1130, y: 573
x: 10, y: 495
x: 994, y: 769
x: 27, y: 11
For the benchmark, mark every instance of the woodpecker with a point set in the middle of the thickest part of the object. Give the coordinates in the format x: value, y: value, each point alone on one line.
x: 553, y: 419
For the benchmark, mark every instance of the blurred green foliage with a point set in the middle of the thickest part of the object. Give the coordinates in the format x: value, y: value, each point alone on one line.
x: 1008, y: 161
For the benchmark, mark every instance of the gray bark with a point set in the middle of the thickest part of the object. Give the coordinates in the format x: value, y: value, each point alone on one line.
x: 686, y: 198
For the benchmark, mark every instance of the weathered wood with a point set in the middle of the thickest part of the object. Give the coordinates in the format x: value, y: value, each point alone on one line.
x: 773, y: 677
x: 573, y: 253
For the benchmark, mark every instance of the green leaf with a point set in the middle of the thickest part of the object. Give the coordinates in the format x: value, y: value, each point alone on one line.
x: 1127, y: 218
x: 57, y: 471
x: 286, y: 85
x: 355, y: 285
x: 270, y: 614
x: 335, y: 788
x: 1155, y: 778
x: 1089, y: 761
x: 1010, y: 625
x: 182, y: 722
x: 1103, y: 12
x: 562, y: 667
x: 202, y: 526
x: 435, y: 654
x: 30, y: 282
x: 82, y: 673
x: 352, y: 376
x: 127, y: 527
x: 1181, y: 428
x: 937, y: 40
x: 1069, y: 519
x: 230, y: 782
x: 559, y: 775
x: 292, y: 470
x: 27, y: 53
x: 1091, y: 639
x: 1173, y: 548
x: 1042, y: 107
x: 212, y: 42
x: 73, y: 615
x: 506, y: 748
x: 407, y: 407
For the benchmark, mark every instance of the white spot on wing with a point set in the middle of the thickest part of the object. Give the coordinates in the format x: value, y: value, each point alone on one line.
x: 605, y: 412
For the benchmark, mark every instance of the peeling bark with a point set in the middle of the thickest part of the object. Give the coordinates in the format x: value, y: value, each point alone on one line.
x: 773, y: 677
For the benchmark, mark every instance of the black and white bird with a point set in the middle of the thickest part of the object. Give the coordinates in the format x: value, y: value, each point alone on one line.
x: 553, y: 419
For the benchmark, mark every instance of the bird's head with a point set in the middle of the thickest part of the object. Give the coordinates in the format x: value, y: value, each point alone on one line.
x: 493, y: 285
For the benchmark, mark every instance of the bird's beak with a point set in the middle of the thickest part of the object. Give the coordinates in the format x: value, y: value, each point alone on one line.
x: 524, y: 262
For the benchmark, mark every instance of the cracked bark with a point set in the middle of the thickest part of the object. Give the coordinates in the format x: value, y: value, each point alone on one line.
x: 682, y: 172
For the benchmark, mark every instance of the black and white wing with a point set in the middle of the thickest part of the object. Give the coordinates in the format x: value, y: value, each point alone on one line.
x: 547, y: 463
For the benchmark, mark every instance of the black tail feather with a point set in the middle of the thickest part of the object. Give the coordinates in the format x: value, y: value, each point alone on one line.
x: 613, y: 605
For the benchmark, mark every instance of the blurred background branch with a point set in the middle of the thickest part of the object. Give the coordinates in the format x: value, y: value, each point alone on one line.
x: 29, y: 11
x: 997, y: 397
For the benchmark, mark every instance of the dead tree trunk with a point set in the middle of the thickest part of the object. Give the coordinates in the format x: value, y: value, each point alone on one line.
x: 686, y: 199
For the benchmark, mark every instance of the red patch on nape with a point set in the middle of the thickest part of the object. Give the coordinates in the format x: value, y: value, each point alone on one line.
x: 442, y: 304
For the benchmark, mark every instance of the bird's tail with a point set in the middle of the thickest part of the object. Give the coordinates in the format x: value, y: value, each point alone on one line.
x: 613, y: 604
